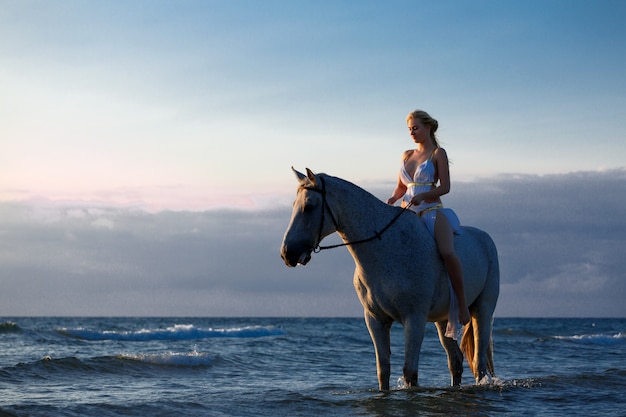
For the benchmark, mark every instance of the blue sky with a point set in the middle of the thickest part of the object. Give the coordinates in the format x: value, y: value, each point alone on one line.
x: 205, y: 105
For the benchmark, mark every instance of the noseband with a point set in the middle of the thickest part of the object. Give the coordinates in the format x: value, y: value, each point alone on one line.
x: 377, y: 235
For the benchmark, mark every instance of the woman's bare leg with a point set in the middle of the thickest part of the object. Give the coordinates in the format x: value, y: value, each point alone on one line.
x: 444, y: 237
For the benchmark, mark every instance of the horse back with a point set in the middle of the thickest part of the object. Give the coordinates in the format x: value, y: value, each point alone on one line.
x: 478, y: 237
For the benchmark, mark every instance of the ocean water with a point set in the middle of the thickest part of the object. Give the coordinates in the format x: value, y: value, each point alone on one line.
x: 297, y: 367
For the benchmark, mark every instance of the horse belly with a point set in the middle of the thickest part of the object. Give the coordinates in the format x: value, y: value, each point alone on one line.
x: 395, y: 297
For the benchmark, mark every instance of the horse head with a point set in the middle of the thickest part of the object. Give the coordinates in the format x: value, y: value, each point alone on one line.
x: 307, y: 226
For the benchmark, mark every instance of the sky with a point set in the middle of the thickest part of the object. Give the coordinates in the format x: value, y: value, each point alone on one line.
x: 146, y: 146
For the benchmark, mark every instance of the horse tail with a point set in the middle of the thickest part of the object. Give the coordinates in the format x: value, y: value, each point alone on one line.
x: 468, y: 347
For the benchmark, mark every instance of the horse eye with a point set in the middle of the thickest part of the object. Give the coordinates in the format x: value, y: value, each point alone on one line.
x: 308, y: 207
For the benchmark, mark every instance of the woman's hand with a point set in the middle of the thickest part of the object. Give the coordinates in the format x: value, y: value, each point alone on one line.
x: 416, y: 199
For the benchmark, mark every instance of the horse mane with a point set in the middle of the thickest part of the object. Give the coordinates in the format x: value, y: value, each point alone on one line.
x: 350, y: 185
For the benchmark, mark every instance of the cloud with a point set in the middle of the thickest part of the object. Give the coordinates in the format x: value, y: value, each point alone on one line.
x: 560, y: 240
x: 173, y: 263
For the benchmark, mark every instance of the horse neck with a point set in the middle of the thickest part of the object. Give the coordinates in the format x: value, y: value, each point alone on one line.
x: 363, y: 217
x: 359, y: 214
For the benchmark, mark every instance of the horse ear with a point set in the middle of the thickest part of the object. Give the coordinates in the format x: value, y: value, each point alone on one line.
x: 311, y: 176
x: 300, y: 176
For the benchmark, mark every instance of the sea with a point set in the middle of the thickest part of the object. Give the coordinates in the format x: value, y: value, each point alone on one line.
x: 173, y: 366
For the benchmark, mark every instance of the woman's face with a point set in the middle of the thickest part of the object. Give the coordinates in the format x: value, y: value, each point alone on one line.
x: 417, y: 130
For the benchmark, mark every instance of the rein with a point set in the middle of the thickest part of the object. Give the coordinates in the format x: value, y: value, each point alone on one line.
x: 377, y: 235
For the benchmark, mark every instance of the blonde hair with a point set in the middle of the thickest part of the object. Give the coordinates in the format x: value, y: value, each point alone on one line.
x: 426, y: 120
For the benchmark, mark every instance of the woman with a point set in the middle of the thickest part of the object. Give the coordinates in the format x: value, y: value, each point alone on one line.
x: 424, y: 177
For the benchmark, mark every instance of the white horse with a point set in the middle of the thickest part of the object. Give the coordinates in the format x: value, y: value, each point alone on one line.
x: 399, y: 274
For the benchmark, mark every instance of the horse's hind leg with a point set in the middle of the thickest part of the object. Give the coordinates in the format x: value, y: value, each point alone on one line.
x: 477, y: 343
x: 455, y: 356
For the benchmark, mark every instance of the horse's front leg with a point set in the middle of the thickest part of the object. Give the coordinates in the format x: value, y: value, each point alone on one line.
x: 379, y: 332
x: 413, y: 337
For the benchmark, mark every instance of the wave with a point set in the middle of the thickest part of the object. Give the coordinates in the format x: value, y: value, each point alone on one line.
x: 176, y: 332
x: 133, y: 364
x: 9, y: 327
x: 595, y: 339
x: 191, y: 359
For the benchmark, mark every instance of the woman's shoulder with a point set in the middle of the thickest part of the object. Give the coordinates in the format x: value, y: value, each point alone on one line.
x: 439, y: 153
x: 407, y: 154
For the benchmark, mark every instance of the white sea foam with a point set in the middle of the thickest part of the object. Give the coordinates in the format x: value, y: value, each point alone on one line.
x: 596, y: 339
x: 176, y: 332
x: 190, y: 359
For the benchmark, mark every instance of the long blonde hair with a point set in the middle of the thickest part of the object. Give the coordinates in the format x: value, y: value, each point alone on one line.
x: 426, y: 120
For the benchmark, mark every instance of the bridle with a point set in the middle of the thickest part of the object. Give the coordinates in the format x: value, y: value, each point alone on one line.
x: 377, y: 235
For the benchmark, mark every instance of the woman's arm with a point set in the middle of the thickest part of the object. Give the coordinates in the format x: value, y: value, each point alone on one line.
x: 398, y: 192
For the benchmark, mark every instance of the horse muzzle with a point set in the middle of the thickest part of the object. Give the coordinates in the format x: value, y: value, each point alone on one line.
x: 294, y: 257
